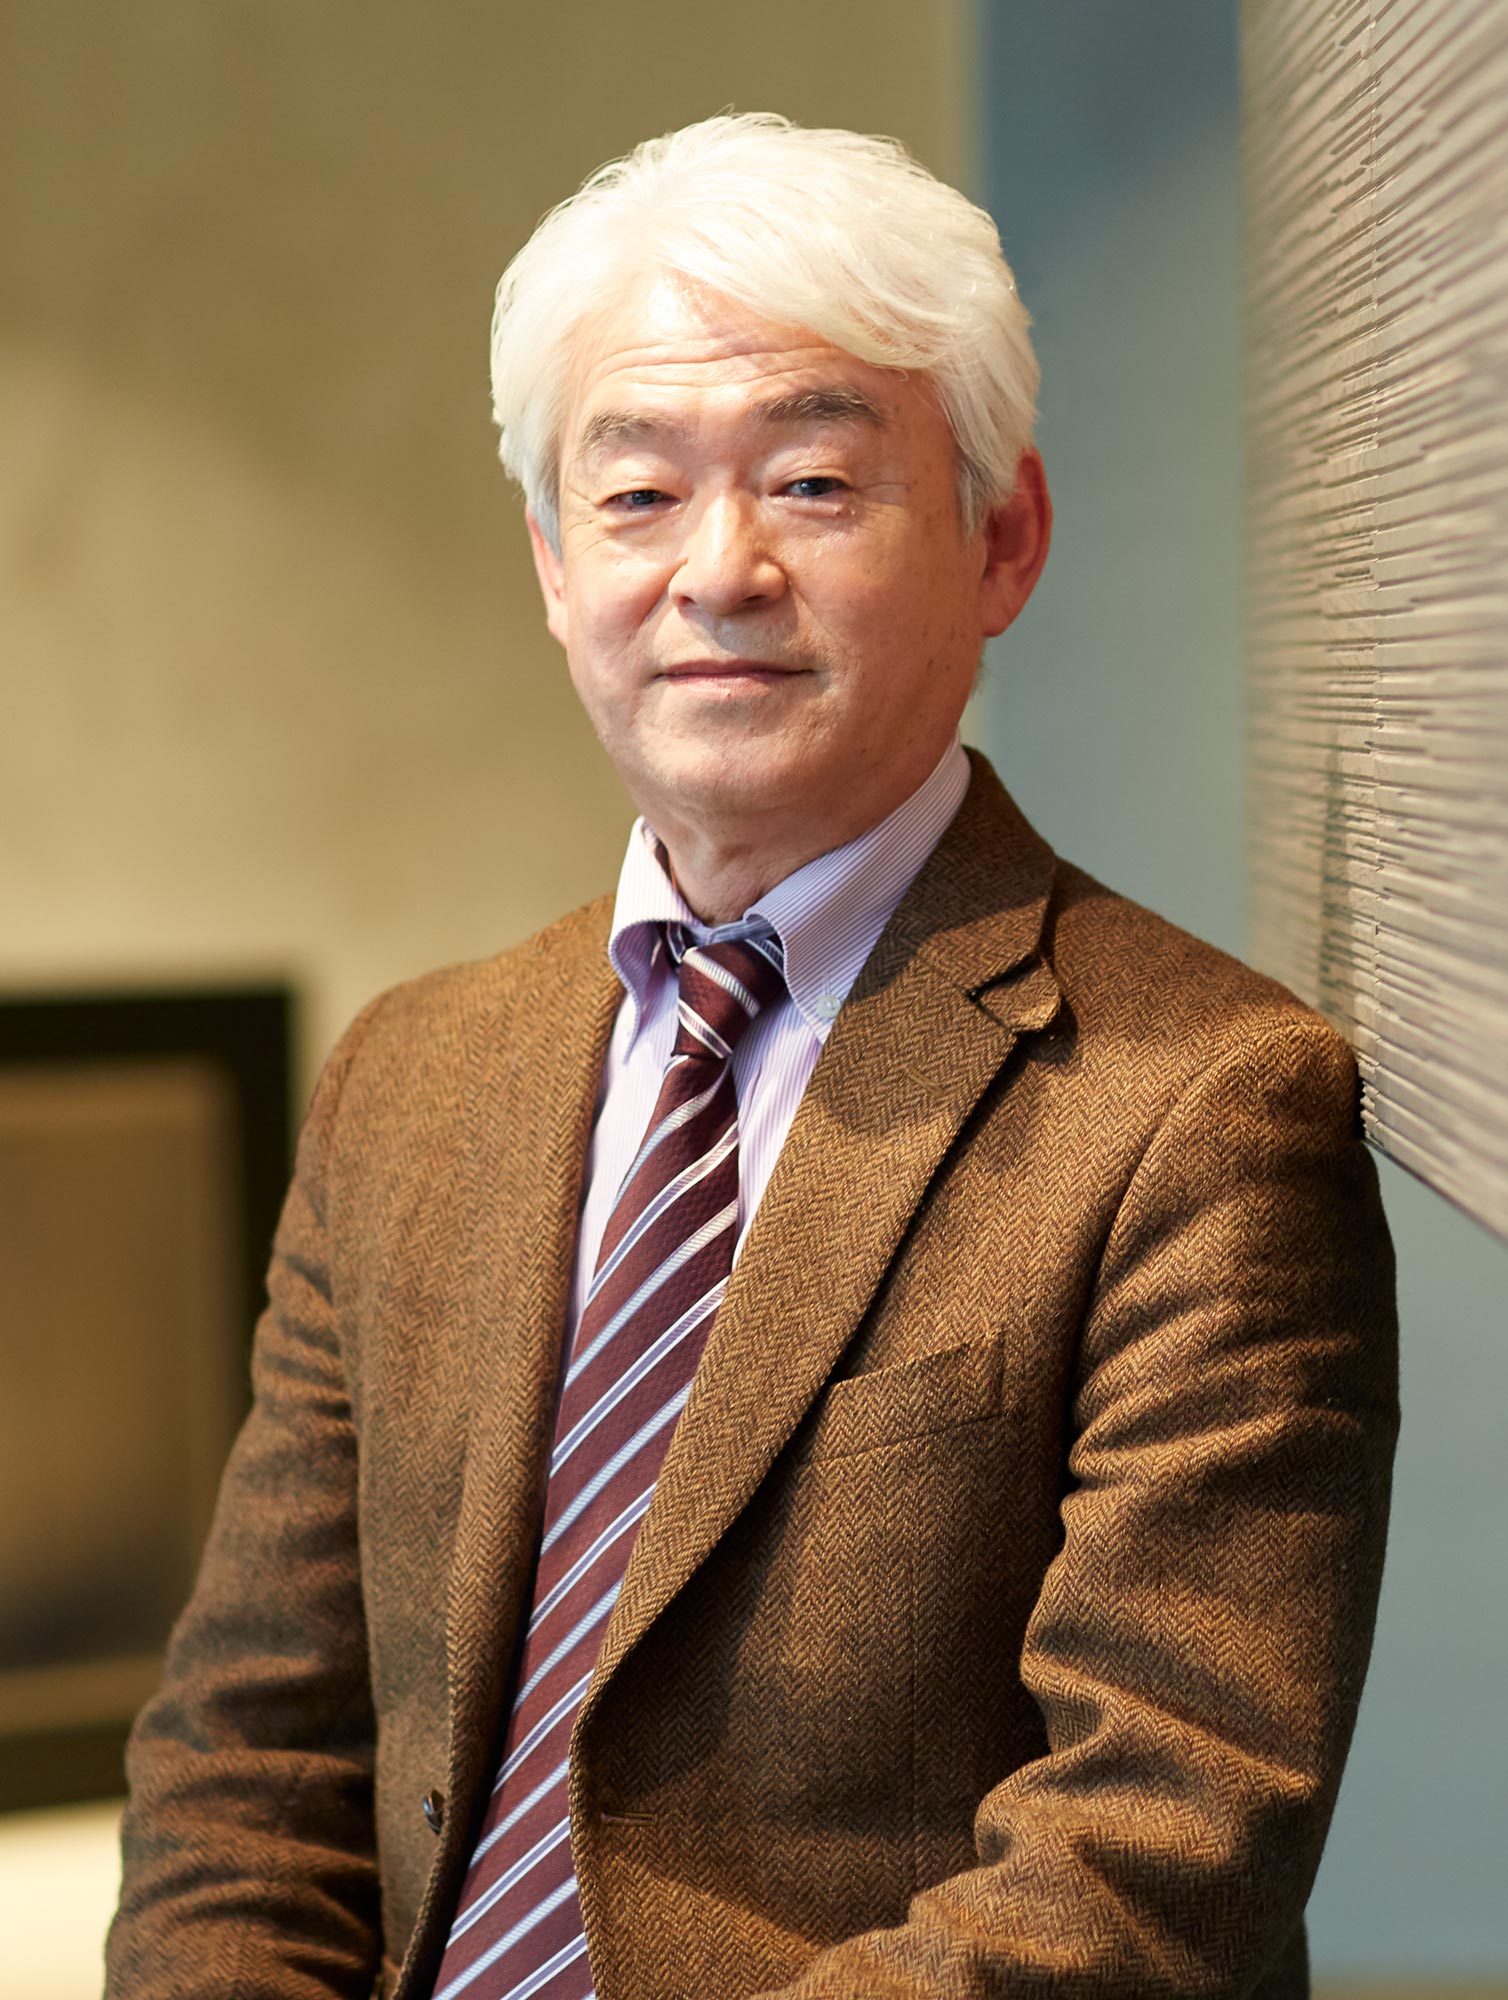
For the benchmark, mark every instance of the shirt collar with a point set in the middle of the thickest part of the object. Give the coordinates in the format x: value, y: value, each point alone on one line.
x: 828, y: 915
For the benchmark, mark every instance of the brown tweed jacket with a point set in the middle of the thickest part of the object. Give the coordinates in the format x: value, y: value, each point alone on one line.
x: 1000, y: 1619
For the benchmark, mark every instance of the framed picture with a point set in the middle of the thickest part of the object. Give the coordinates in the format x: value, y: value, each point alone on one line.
x: 144, y: 1143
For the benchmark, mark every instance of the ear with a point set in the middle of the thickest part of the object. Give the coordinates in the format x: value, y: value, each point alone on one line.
x: 1016, y: 537
x: 550, y: 570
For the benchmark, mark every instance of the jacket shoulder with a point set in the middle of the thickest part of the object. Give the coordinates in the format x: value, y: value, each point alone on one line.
x: 1160, y: 1002
x: 439, y: 1002
x: 412, y: 1039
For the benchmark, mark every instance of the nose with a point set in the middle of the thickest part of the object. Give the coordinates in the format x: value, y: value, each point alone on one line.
x: 727, y: 563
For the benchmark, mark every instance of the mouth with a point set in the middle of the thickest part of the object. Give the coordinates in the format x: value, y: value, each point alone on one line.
x: 729, y: 674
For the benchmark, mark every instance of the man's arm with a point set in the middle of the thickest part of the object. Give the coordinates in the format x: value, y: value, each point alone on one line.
x: 1198, y: 1645
x: 248, y: 1842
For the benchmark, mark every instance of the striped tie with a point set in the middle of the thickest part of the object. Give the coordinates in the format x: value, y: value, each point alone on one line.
x: 661, y: 1274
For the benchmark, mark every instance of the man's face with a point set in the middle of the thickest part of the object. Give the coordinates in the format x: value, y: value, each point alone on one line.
x: 763, y: 588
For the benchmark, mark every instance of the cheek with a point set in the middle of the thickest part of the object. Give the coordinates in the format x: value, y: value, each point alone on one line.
x: 611, y: 600
x: 607, y: 655
x: 899, y: 613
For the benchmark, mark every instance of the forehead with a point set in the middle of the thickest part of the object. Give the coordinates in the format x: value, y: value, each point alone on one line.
x: 669, y: 349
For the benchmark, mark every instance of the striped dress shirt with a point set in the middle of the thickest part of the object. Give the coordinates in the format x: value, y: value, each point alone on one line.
x: 828, y: 916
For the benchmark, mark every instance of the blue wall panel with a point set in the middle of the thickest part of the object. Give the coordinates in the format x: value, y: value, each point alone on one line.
x: 1110, y: 140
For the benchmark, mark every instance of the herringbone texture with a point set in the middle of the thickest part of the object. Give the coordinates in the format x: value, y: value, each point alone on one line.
x: 1001, y: 1617
x: 661, y: 1274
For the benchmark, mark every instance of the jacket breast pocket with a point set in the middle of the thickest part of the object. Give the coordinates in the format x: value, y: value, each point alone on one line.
x: 910, y: 1399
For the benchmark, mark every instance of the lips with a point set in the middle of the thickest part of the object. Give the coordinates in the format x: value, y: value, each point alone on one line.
x: 682, y: 670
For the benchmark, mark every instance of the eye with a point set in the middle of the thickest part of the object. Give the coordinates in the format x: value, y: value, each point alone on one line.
x: 637, y: 499
x: 815, y: 486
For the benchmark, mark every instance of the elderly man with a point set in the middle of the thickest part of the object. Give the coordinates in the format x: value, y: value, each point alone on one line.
x: 823, y: 1426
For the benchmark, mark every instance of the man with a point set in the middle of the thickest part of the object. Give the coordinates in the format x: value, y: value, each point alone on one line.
x: 823, y: 1427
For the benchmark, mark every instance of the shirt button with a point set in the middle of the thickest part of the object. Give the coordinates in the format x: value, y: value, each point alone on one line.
x: 433, y: 1808
x: 828, y: 1005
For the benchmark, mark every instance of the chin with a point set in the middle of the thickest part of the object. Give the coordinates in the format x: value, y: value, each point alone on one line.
x: 731, y: 778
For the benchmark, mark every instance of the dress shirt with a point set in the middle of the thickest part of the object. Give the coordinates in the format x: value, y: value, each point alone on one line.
x: 828, y: 916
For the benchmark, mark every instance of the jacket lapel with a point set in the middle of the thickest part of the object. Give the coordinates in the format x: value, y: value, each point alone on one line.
x: 949, y: 987
x: 534, y: 1070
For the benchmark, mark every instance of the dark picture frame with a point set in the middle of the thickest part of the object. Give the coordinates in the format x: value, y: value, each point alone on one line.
x: 145, y: 1141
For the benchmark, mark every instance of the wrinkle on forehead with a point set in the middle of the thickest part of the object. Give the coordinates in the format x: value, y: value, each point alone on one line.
x: 669, y: 332
x: 838, y: 403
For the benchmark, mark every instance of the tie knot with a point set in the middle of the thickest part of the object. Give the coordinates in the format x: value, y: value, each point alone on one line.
x: 723, y: 985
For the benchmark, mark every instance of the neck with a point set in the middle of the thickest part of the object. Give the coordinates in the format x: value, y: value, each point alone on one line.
x: 719, y: 880
x: 722, y: 869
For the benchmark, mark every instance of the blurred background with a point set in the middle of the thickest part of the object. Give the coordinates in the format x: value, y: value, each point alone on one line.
x: 282, y: 724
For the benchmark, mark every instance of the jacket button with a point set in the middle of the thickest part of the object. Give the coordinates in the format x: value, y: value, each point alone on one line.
x: 433, y: 1809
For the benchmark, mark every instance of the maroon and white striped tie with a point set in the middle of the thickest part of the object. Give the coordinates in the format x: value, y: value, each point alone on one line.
x: 661, y: 1274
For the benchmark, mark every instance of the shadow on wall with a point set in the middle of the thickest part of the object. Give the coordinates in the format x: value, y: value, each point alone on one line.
x: 1114, y: 707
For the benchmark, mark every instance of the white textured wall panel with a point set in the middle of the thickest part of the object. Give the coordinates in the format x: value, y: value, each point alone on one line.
x: 1376, y: 143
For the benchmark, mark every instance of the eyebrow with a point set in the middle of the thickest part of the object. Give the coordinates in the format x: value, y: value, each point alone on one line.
x: 610, y: 429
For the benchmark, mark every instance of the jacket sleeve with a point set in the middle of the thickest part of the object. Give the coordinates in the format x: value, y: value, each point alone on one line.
x: 1198, y: 1644
x: 248, y: 1839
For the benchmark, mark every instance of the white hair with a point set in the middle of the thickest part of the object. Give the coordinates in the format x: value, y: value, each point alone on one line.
x: 844, y: 235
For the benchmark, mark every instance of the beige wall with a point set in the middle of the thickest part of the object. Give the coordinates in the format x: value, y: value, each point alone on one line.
x: 274, y: 693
